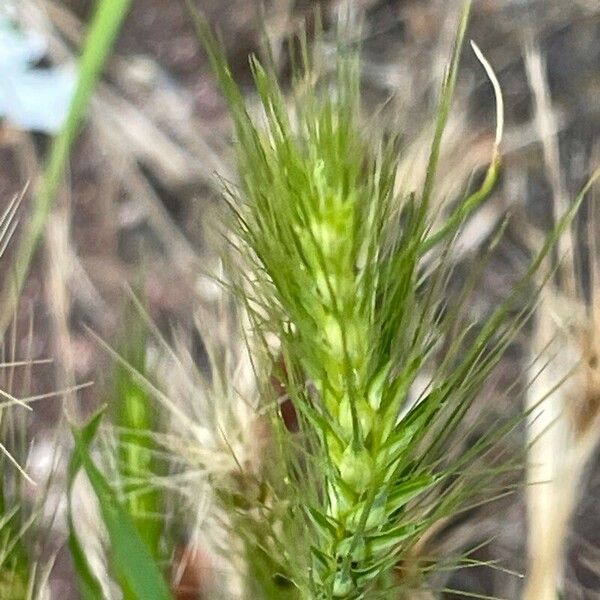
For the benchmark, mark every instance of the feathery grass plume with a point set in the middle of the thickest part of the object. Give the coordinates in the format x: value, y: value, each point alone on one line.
x: 218, y: 439
x: 563, y: 397
x: 332, y: 266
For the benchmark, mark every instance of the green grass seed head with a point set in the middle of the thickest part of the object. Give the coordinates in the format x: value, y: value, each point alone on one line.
x: 348, y: 275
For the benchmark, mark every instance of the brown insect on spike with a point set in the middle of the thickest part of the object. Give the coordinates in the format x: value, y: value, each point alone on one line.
x: 192, y: 569
x: 287, y: 410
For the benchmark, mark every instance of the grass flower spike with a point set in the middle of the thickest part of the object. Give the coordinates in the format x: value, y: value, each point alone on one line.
x: 346, y: 273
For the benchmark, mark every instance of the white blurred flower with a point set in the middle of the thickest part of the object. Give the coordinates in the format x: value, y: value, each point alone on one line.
x: 31, y: 98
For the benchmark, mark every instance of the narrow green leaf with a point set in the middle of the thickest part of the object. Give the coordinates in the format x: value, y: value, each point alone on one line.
x: 89, y: 586
x: 131, y: 557
x: 136, y: 416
